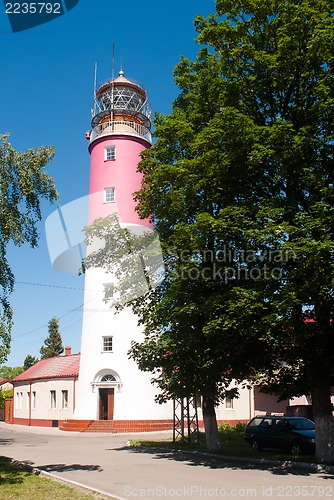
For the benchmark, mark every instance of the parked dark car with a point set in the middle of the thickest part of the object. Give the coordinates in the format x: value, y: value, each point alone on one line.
x: 293, y: 434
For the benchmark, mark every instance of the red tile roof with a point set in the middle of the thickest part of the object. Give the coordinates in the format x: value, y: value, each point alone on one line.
x: 4, y: 380
x: 56, y: 367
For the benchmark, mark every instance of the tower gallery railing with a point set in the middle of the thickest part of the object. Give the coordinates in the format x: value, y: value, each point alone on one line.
x: 121, y: 127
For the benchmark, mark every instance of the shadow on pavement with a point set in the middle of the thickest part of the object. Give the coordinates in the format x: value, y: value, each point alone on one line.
x: 69, y: 467
x: 64, y: 467
x: 4, y: 442
x: 196, y: 459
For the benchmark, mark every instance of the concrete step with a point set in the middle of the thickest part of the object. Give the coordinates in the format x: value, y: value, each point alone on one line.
x: 75, y: 425
x: 116, y: 426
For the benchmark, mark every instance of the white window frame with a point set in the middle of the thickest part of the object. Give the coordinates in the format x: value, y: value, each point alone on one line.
x: 110, y: 153
x: 64, y: 399
x: 33, y: 405
x: 53, y: 400
x: 107, y: 338
x: 229, y: 403
x: 109, y: 195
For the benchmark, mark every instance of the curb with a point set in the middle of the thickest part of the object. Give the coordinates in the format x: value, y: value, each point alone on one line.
x: 260, y: 461
x: 54, y: 477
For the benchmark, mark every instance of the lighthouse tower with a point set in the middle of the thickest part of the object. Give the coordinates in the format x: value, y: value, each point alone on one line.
x: 110, y: 386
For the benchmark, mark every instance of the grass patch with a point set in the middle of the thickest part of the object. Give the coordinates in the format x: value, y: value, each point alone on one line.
x: 18, y: 482
x: 233, y: 444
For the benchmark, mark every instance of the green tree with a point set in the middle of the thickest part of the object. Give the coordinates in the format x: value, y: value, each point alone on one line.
x: 53, y: 343
x: 276, y: 61
x: 29, y: 361
x: 4, y: 395
x: 10, y: 372
x: 23, y: 183
x: 241, y: 185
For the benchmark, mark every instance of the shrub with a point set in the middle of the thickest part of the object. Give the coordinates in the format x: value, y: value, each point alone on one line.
x: 4, y: 395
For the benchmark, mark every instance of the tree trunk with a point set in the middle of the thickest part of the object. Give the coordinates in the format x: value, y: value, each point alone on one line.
x: 210, y: 420
x: 324, y: 425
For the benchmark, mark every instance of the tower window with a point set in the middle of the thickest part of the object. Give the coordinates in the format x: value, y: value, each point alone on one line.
x: 109, y: 153
x: 108, y: 290
x: 107, y: 344
x: 109, y: 194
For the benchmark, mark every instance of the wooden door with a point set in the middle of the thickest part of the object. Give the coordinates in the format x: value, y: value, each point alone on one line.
x: 106, y: 407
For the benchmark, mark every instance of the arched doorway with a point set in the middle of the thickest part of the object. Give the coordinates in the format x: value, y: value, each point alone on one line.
x: 106, y: 381
x: 106, y: 398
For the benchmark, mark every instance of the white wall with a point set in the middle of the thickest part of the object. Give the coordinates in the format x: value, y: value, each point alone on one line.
x: 134, y: 395
x: 43, y: 408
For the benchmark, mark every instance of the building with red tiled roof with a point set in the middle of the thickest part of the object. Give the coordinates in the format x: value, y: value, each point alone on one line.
x: 5, y: 384
x: 44, y: 394
x: 56, y: 367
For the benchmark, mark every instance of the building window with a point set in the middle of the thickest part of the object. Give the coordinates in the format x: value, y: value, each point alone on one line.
x: 108, y: 378
x: 107, y: 344
x: 109, y: 194
x: 34, y: 400
x: 108, y: 290
x: 17, y: 401
x: 28, y: 401
x: 53, y: 401
x: 64, y: 400
x: 198, y: 401
x: 110, y: 153
x: 229, y: 402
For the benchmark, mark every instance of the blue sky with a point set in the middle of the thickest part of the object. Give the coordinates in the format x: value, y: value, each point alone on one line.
x: 46, y: 94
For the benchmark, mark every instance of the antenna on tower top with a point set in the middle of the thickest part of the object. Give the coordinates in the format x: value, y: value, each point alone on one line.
x: 112, y: 79
x: 95, y: 75
x: 113, y: 60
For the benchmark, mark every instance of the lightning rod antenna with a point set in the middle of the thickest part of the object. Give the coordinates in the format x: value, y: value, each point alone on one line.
x: 112, y: 79
x: 95, y: 75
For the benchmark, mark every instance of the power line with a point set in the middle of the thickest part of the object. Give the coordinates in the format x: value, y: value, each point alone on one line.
x: 60, y: 317
x: 47, y: 285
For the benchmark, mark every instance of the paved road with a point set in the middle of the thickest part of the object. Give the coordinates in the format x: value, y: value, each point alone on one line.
x: 106, y: 463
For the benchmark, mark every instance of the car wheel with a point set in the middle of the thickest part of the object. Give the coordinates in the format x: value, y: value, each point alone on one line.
x: 256, y: 446
x: 295, y: 449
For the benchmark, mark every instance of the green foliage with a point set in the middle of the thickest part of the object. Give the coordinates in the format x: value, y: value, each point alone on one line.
x: 4, y: 395
x: 29, y: 361
x: 53, y: 343
x: 241, y: 182
x: 232, y: 435
x: 10, y: 372
x: 19, y: 481
x: 23, y: 183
